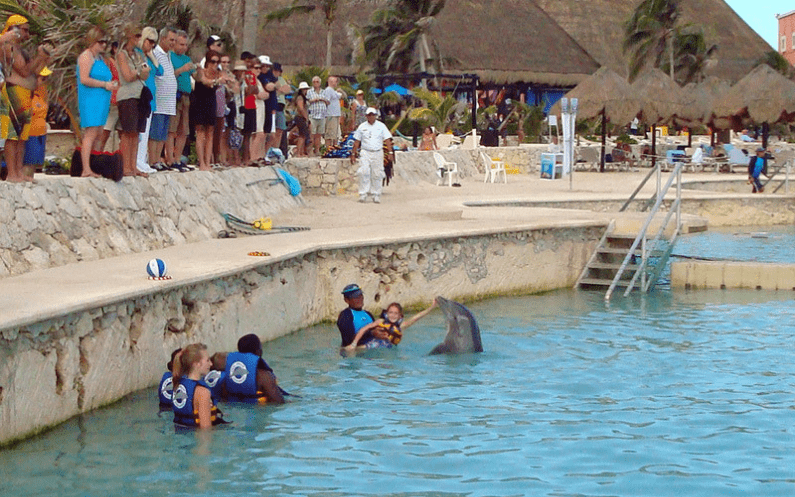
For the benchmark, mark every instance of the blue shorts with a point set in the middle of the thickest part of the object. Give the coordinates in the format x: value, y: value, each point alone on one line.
x: 158, y: 130
x: 34, y: 150
x: 378, y: 343
x: 281, y: 122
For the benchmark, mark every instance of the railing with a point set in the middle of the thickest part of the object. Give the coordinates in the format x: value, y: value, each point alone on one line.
x: 676, y: 174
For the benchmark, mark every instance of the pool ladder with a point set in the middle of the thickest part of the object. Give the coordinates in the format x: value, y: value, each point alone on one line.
x: 630, y: 261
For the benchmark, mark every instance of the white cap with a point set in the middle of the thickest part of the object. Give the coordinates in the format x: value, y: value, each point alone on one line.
x: 265, y: 60
x: 371, y: 110
x: 303, y: 85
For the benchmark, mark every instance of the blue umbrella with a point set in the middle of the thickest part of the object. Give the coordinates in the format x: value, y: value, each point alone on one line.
x: 398, y: 89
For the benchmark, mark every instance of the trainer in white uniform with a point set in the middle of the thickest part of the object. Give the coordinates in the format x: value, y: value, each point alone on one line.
x: 371, y: 136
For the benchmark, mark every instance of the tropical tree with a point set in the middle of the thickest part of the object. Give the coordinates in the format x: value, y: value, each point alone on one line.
x: 691, y: 56
x: 63, y: 24
x: 328, y: 7
x: 777, y: 62
x: 399, y: 31
x: 180, y: 14
x: 649, y: 35
x: 441, y: 112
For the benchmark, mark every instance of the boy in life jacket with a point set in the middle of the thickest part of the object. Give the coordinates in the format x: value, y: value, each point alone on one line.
x: 392, y: 324
x: 247, y: 375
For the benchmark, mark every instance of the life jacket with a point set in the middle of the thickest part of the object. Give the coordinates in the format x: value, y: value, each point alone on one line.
x: 184, y: 413
x: 241, y: 374
x: 393, y: 330
x: 214, y: 380
x: 165, y: 391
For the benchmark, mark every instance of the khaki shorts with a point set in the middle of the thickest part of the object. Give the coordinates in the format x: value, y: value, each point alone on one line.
x: 317, y: 126
x: 113, y: 118
x: 179, y: 123
x: 332, y: 128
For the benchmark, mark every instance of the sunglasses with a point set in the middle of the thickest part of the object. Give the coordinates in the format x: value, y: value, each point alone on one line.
x: 150, y: 39
x: 214, y: 61
x: 257, y: 67
x: 102, y: 41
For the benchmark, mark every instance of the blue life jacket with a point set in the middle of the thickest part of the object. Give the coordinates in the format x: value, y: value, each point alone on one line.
x: 182, y: 404
x: 214, y: 380
x: 241, y: 374
x: 166, y: 389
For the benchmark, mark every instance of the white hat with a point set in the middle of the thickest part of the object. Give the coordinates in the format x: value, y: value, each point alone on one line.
x: 303, y: 85
x: 265, y: 60
x: 371, y: 110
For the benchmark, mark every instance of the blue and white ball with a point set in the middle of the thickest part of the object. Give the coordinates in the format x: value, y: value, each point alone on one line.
x: 156, y: 268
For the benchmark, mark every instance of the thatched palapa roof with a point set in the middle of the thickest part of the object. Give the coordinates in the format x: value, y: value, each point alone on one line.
x: 500, y: 40
x: 598, y: 26
x: 546, y: 42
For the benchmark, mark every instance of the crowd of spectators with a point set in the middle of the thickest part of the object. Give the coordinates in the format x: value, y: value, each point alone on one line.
x: 146, y: 88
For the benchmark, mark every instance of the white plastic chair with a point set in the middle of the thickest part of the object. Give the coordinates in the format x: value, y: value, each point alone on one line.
x: 493, y: 168
x: 470, y: 141
x: 445, y: 168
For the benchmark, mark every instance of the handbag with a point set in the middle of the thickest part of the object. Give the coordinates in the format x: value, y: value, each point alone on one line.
x: 235, y: 139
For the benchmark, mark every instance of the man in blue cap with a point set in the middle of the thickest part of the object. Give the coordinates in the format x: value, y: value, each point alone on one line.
x: 351, y: 320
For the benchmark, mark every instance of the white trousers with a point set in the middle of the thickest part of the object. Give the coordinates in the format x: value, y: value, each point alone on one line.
x: 143, y: 147
x: 371, y: 172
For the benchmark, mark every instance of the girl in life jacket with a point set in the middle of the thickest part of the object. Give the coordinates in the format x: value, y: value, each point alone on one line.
x: 192, y: 401
x: 393, y: 323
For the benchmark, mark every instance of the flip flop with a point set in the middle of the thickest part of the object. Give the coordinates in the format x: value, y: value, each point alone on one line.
x: 227, y: 234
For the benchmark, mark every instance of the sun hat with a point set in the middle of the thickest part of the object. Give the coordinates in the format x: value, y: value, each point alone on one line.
x: 351, y: 290
x: 303, y: 85
x: 360, y: 92
x: 265, y: 60
x: 213, y: 39
x: 371, y: 110
x: 760, y: 149
x: 239, y: 66
x: 14, y: 20
x: 45, y: 71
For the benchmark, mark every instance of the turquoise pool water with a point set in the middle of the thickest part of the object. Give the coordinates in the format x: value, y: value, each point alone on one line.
x: 686, y: 393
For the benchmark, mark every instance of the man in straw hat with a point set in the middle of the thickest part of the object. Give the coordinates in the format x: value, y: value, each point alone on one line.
x: 21, y: 72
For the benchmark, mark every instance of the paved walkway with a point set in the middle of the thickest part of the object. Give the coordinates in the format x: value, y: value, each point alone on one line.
x: 407, y: 211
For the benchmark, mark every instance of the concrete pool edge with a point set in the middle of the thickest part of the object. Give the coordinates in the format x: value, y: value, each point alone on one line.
x: 118, y: 341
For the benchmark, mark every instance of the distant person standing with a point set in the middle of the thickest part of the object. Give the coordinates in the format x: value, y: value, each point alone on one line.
x: 333, y: 112
x: 20, y: 70
x: 36, y: 145
x: 165, y: 94
x: 756, y: 167
x: 178, y: 125
x: 371, y: 136
x: 94, y: 88
x: 317, y: 113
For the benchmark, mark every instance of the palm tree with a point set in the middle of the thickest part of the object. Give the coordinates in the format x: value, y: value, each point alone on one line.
x: 649, y: 35
x: 691, y: 56
x: 63, y: 24
x: 439, y: 112
x: 329, y: 8
x: 397, y: 32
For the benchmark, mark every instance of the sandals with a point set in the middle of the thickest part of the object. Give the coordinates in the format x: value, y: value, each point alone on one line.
x: 227, y: 234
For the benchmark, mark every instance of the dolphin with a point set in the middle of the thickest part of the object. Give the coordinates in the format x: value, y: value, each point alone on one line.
x: 463, y: 334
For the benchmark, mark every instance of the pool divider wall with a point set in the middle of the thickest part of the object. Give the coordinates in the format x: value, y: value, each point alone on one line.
x: 57, y: 368
x: 732, y: 274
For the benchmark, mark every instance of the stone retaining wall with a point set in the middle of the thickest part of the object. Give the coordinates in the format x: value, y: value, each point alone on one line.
x: 61, y: 220
x: 338, y: 176
x: 55, y: 369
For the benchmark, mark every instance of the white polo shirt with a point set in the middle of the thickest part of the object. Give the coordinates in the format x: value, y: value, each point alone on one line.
x: 372, y: 136
x: 166, y: 85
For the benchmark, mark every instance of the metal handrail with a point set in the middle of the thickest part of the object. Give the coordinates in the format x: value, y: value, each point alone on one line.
x: 675, y: 174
